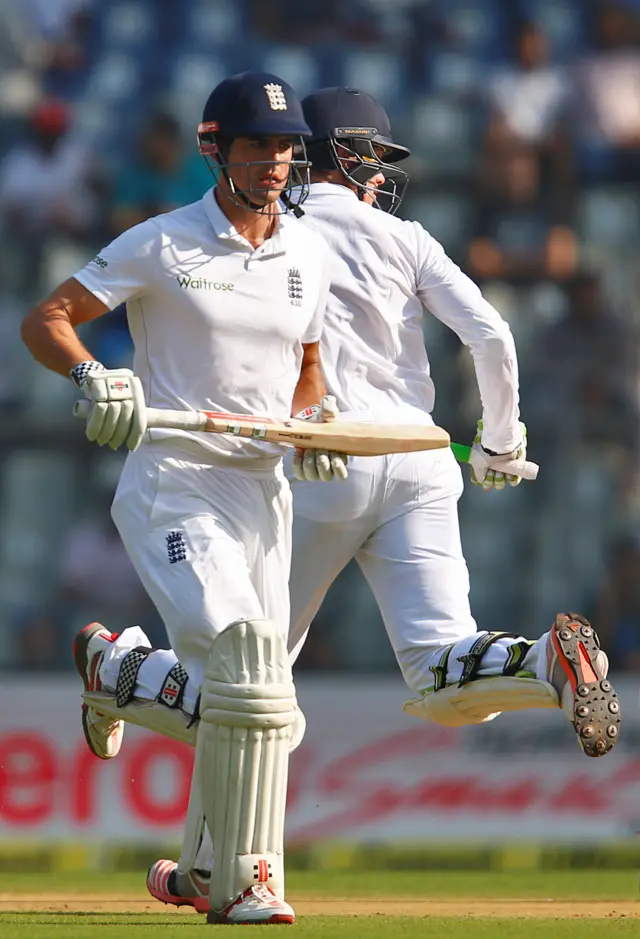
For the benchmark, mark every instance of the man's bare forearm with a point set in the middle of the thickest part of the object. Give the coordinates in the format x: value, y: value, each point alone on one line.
x: 48, y: 330
x: 54, y: 343
x: 310, y: 388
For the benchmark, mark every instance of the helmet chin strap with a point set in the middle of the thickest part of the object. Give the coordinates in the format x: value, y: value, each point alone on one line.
x: 240, y: 195
x: 255, y: 206
x: 293, y: 207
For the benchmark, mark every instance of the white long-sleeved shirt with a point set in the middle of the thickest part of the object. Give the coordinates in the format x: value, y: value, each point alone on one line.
x: 385, y: 272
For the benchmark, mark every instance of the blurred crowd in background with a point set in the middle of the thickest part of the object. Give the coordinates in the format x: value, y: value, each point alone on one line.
x: 523, y: 117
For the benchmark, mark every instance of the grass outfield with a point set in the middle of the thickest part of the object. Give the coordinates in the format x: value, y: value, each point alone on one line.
x: 364, y: 927
x: 459, y: 905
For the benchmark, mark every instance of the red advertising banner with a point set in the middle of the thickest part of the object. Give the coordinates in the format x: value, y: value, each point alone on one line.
x: 365, y: 772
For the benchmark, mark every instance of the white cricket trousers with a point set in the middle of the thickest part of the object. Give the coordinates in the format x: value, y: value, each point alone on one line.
x: 211, y: 545
x: 397, y: 516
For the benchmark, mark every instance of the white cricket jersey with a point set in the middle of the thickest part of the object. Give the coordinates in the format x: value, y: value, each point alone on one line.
x: 384, y: 273
x: 216, y: 323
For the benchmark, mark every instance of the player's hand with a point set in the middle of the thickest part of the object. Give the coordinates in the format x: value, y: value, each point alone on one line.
x: 326, y: 465
x: 118, y: 410
x: 487, y: 469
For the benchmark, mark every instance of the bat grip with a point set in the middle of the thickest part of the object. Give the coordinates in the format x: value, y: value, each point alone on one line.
x: 524, y: 468
x: 157, y: 417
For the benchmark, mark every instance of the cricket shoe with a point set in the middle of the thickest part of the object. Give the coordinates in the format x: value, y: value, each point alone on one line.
x: 577, y: 668
x: 103, y: 734
x: 167, y: 884
x: 258, y: 906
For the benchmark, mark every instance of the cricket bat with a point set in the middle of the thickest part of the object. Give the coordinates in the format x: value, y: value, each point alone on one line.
x: 350, y: 437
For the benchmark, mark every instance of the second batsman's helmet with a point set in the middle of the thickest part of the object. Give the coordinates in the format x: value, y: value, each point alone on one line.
x: 254, y: 104
x: 351, y: 132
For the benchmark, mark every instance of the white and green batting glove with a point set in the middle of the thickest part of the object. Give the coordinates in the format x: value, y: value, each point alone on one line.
x: 325, y: 465
x: 486, y: 465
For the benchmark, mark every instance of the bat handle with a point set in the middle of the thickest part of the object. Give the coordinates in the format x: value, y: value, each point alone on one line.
x: 157, y: 417
x: 524, y: 468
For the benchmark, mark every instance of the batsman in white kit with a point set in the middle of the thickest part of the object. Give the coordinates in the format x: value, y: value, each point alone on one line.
x: 225, y: 300
x: 396, y: 515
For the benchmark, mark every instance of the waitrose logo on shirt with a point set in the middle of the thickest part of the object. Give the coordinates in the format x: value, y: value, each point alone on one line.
x: 201, y: 283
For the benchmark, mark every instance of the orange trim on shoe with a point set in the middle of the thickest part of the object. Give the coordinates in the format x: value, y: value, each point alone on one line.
x: 593, y: 707
x: 588, y: 672
x: 158, y: 878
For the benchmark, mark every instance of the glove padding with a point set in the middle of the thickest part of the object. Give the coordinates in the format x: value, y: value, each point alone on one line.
x: 324, y: 465
x: 118, y: 413
x: 487, y: 469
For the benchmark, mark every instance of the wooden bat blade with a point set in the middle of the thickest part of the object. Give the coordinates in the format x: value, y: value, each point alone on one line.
x: 356, y: 439
x: 352, y: 438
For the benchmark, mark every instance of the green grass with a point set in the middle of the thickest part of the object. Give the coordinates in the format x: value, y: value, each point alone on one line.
x: 581, y: 886
x: 563, y: 884
x: 568, y: 885
x: 337, y: 927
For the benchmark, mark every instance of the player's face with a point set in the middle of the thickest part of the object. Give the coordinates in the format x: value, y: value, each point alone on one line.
x: 349, y: 161
x: 267, y: 171
x: 376, y: 182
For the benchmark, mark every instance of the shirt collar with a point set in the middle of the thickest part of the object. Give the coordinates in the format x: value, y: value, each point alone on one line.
x: 331, y: 189
x: 226, y: 231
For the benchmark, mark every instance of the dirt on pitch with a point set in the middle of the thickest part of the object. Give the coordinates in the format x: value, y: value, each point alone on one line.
x: 338, y: 906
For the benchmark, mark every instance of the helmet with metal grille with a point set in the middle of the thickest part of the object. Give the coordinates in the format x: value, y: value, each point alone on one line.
x: 351, y: 132
x: 255, y: 105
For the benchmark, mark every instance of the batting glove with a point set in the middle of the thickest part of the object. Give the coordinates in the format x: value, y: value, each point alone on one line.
x: 326, y: 465
x: 486, y: 466
x: 118, y: 410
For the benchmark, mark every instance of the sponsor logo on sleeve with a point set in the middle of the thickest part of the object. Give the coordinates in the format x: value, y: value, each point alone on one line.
x: 100, y: 261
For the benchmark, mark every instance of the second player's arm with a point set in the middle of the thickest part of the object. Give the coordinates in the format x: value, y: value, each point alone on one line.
x: 311, y: 387
x: 311, y: 390
x: 455, y: 300
x: 311, y: 396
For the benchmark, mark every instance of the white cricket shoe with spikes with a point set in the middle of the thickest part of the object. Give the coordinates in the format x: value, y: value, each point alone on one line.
x: 257, y: 905
x: 102, y: 733
x: 568, y: 669
x: 577, y: 668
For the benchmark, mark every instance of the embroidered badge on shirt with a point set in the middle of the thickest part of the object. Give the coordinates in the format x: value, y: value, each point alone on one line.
x: 294, y: 285
x: 176, y: 548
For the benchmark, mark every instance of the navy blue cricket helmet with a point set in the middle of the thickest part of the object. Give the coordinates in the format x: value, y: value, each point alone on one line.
x: 254, y: 104
x: 351, y: 132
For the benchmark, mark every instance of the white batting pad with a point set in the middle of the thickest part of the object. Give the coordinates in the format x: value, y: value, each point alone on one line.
x: 170, y: 723
x: 150, y: 714
x: 197, y: 849
x: 195, y: 832
x: 298, y: 730
x: 247, y: 715
x: 483, y: 699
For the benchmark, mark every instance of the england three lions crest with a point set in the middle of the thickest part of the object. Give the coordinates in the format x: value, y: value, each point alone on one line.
x: 294, y: 285
x: 275, y: 94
